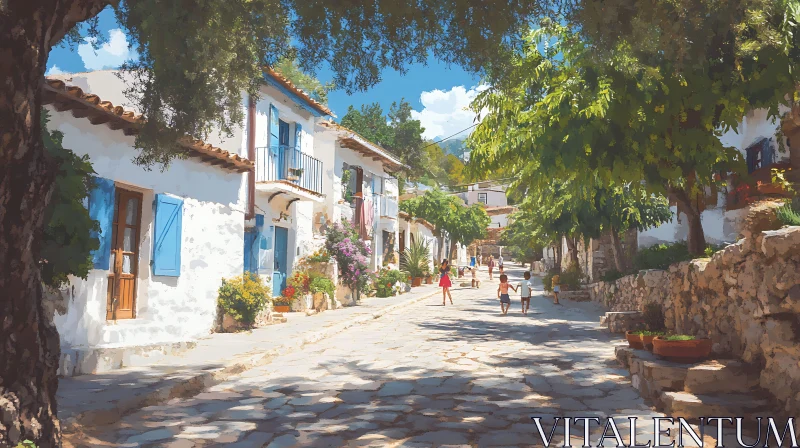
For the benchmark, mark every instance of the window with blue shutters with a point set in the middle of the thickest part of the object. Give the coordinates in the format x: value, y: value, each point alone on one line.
x: 101, y: 209
x: 167, y: 236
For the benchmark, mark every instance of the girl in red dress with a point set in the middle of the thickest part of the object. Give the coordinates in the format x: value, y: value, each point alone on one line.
x: 444, y: 282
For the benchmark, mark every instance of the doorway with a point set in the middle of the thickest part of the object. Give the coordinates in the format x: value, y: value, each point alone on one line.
x: 124, y: 267
x: 280, y: 260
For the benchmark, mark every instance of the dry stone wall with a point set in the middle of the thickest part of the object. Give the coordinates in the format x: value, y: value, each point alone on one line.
x: 746, y: 298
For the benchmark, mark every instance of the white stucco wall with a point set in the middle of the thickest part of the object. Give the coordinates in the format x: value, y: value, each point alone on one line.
x: 495, y: 196
x: 169, y: 309
x: 499, y: 221
x: 720, y: 226
x: 754, y: 127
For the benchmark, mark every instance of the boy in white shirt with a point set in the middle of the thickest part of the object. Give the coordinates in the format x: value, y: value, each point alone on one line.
x: 525, y: 287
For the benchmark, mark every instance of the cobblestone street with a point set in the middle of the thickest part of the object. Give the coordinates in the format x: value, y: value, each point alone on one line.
x: 423, y: 376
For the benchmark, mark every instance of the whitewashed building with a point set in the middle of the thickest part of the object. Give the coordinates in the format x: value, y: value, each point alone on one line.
x: 237, y: 203
x: 369, y: 198
x: 724, y: 209
x: 166, y: 238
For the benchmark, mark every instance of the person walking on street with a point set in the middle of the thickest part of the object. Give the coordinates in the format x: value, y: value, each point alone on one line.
x: 502, y: 293
x: 500, y: 264
x: 556, y: 289
x: 525, y: 287
x: 490, y: 265
x: 444, y: 282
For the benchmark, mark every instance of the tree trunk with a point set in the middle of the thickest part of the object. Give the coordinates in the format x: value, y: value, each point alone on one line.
x: 559, y: 255
x: 572, y: 247
x: 29, y: 351
x: 616, y: 248
x: 440, y: 254
x: 453, y: 251
x: 696, y: 239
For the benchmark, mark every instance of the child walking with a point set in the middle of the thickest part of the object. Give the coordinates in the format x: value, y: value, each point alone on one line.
x: 525, y: 287
x: 502, y: 293
x: 556, y: 289
x: 475, y: 282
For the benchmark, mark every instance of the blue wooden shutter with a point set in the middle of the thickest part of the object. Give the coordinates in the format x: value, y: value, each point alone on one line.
x: 101, y: 209
x: 274, y: 128
x: 298, y: 136
x: 250, y: 260
x: 766, y: 153
x: 167, y: 236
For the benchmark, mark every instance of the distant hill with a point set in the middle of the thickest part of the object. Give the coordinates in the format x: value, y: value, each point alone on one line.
x: 454, y: 146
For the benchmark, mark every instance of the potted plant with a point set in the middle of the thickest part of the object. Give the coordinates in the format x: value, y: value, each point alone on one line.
x: 294, y: 173
x: 654, y: 323
x: 320, y: 286
x: 415, y: 260
x: 241, y: 299
x: 682, y: 348
x: 634, y: 338
x: 283, y: 304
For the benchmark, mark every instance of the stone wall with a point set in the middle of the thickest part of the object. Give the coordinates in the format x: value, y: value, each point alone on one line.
x: 746, y: 298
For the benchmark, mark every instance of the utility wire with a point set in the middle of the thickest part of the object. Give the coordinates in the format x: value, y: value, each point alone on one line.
x: 446, y: 138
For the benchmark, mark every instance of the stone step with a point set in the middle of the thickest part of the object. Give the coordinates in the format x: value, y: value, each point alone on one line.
x: 721, y: 376
x: 691, y: 406
x: 651, y: 375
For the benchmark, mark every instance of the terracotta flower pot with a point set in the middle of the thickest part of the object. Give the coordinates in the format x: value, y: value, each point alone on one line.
x: 282, y: 308
x: 416, y: 281
x: 686, y: 352
x: 647, y: 342
x: 429, y: 280
x: 634, y: 340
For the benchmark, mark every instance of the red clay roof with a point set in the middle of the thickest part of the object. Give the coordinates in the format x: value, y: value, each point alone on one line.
x: 97, y: 111
x: 365, y: 147
x: 499, y: 210
x: 285, y: 82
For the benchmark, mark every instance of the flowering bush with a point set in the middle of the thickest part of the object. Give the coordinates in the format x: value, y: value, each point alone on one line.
x: 320, y: 256
x: 385, y: 281
x: 243, y: 297
x: 299, y: 281
x: 287, y: 296
x: 351, y: 254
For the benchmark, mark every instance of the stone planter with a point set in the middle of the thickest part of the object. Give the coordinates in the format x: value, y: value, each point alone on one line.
x: 634, y: 340
x: 321, y: 301
x: 685, y: 352
x: 416, y: 281
x: 282, y: 308
x: 231, y: 325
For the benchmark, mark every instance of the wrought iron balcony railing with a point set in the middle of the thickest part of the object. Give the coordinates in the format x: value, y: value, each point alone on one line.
x: 286, y: 163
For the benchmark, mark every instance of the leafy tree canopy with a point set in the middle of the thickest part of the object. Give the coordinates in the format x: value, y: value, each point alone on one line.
x: 449, y: 215
x: 289, y: 68
x: 397, y: 131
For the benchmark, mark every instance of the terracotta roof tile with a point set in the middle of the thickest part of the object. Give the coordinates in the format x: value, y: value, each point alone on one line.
x: 300, y: 92
x: 381, y: 154
x: 65, y: 97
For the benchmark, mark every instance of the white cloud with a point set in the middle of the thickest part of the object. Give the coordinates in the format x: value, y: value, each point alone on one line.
x: 110, y: 55
x: 445, y: 112
x: 54, y: 70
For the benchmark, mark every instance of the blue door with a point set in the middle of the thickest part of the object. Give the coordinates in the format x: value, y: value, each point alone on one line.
x: 281, y: 248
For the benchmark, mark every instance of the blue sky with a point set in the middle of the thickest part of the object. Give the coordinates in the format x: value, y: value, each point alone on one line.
x: 438, y: 93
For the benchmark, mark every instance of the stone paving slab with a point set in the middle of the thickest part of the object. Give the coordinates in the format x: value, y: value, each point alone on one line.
x: 104, y: 398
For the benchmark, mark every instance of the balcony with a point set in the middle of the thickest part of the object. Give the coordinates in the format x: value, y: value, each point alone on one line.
x: 288, y: 170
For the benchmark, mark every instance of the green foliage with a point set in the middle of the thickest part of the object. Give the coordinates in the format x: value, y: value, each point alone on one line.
x: 448, y: 214
x: 243, y: 297
x: 415, y: 260
x: 612, y: 276
x: 396, y: 132
x: 661, y: 256
x: 571, y: 278
x: 625, y: 114
x: 788, y: 216
x: 649, y: 333
x: 680, y: 337
x: 289, y: 68
x: 321, y: 284
x: 385, y: 281
x: 67, y: 241
x: 26, y: 444
x: 442, y: 168
x: 654, y: 317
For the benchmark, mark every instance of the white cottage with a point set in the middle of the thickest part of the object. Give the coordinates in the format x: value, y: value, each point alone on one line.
x: 166, y: 238
x: 369, y: 199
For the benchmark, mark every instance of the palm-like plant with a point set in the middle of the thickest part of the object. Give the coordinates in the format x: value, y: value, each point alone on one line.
x: 415, y: 260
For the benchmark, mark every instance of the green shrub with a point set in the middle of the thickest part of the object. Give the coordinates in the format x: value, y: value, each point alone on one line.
x: 243, y: 297
x: 415, y: 260
x: 612, y: 276
x: 680, y: 337
x: 789, y: 216
x: 321, y: 284
x: 385, y: 281
x: 26, y: 444
x: 649, y: 333
x: 661, y: 256
x: 654, y: 317
x: 571, y: 278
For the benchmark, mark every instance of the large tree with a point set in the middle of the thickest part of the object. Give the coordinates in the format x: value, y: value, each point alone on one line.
x: 197, y: 60
x: 449, y: 216
x: 628, y: 115
x: 397, y: 132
